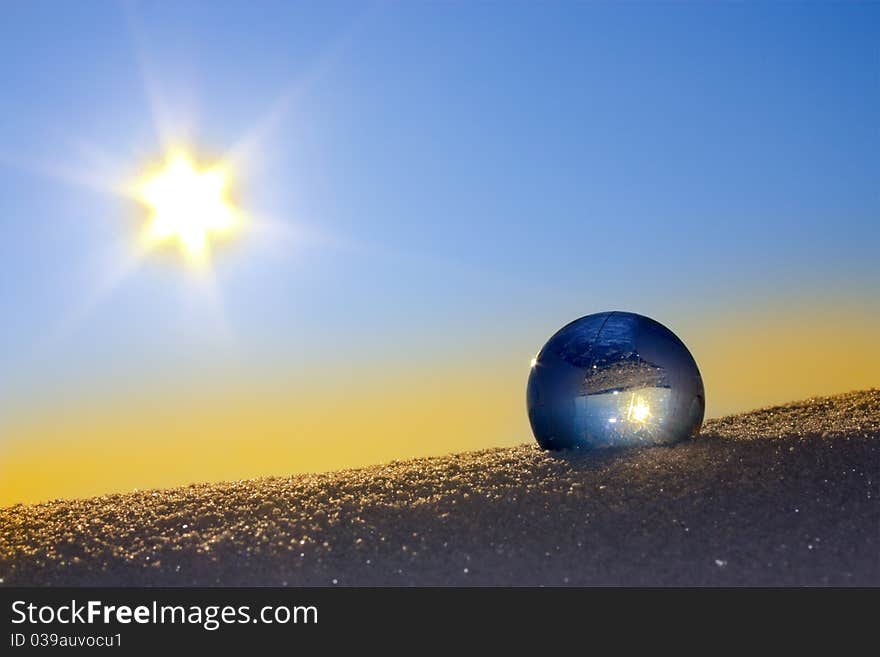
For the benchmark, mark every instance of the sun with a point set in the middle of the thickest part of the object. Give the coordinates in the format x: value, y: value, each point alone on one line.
x: 639, y: 411
x: 189, y: 206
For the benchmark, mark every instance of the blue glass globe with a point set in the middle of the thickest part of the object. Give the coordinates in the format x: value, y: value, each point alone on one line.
x: 614, y: 379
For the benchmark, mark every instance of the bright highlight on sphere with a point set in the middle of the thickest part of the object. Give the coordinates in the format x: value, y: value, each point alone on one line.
x: 639, y: 410
x: 188, y: 205
x: 614, y: 379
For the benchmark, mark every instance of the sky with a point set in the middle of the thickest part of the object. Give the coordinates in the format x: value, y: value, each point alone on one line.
x: 428, y: 192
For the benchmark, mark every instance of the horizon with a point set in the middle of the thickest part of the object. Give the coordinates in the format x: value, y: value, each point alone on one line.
x: 428, y: 193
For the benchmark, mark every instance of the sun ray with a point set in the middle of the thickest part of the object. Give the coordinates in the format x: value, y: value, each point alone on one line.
x: 174, y: 218
x: 243, y: 153
x: 160, y: 113
x: 118, y: 273
x: 68, y: 174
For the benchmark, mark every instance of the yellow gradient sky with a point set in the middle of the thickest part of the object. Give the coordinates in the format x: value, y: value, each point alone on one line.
x: 259, y: 425
x: 240, y: 241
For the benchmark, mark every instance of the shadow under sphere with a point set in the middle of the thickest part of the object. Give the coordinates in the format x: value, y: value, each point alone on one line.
x: 614, y: 379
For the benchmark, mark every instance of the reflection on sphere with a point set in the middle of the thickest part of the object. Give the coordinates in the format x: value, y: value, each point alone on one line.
x: 614, y: 379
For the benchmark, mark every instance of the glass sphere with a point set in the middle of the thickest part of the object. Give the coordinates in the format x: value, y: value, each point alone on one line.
x: 614, y: 379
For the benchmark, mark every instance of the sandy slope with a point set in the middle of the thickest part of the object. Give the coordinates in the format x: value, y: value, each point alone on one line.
x: 785, y: 495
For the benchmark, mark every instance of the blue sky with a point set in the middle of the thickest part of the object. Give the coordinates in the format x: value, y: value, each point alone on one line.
x: 442, y: 177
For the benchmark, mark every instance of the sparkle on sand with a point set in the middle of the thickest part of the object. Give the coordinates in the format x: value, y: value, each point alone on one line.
x: 784, y: 495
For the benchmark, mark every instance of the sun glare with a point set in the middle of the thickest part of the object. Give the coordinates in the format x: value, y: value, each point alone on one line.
x: 639, y: 410
x: 188, y: 205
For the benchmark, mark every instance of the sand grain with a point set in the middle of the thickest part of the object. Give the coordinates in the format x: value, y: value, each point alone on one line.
x: 780, y: 496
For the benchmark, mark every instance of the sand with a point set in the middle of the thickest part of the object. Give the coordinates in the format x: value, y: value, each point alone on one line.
x: 779, y: 496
